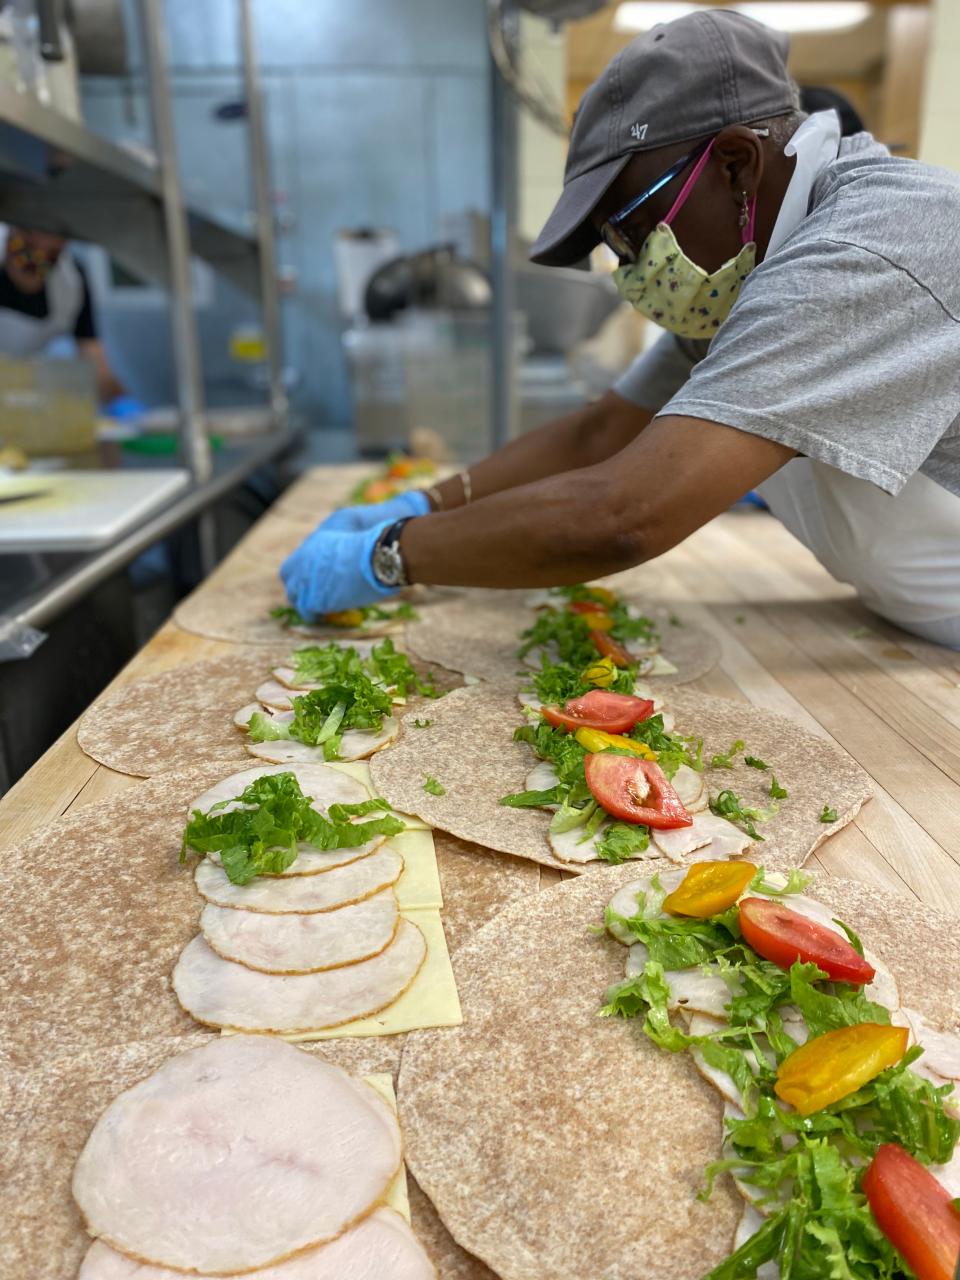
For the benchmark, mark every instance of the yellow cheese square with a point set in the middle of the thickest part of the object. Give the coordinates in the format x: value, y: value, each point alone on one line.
x: 382, y: 1083
x: 431, y: 1000
x: 419, y: 885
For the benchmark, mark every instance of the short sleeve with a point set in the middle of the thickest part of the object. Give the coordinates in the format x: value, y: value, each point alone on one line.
x: 660, y: 372
x: 839, y: 354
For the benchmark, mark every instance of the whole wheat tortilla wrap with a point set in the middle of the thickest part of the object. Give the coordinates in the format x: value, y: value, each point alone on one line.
x: 469, y: 749
x: 556, y: 1143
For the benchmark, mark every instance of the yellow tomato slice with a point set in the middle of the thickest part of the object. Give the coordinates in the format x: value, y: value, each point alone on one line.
x: 598, y: 621
x: 829, y: 1067
x: 345, y: 618
x: 601, y: 673
x: 709, y: 887
x: 598, y: 740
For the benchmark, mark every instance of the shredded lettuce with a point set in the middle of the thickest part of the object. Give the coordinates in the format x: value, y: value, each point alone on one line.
x: 621, y: 840
x: 724, y: 759
x: 263, y: 837
x: 729, y: 805
x: 806, y: 1170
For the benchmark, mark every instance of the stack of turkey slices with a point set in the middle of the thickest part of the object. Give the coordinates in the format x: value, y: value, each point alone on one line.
x: 275, y: 703
x: 239, y: 1156
x: 320, y: 945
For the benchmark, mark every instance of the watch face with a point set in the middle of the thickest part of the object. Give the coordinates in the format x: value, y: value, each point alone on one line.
x: 388, y: 566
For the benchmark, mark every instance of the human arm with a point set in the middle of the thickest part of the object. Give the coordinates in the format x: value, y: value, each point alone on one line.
x: 579, y: 439
x: 674, y: 477
x: 91, y: 348
x: 109, y: 385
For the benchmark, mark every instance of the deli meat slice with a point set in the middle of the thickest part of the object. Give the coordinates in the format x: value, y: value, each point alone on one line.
x: 276, y: 695
x: 302, y: 943
x: 355, y: 744
x: 235, y: 1156
x: 325, y: 786
x: 222, y: 994
x: 287, y: 895
x: 710, y: 837
x: 381, y: 1247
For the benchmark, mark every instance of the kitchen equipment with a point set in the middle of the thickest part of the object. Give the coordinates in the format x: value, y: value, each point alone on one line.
x: 357, y: 255
x: 81, y: 510
x: 435, y: 277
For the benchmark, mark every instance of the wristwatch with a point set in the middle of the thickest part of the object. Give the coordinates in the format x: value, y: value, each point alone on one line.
x: 386, y: 560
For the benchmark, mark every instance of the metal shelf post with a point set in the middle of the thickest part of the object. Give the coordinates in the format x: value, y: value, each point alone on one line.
x: 263, y: 205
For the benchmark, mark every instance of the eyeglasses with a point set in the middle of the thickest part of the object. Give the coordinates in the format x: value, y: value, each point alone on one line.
x: 612, y: 233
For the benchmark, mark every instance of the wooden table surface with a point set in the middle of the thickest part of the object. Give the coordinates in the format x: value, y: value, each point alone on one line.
x: 792, y: 639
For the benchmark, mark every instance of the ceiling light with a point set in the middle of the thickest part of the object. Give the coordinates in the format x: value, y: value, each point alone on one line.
x: 799, y: 18
x: 638, y: 16
x: 795, y: 16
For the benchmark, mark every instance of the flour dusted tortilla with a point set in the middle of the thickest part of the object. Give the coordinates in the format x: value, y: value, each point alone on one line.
x: 469, y: 750
x: 478, y: 634
x: 240, y: 612
x: 500, y: 1129
x: 155, y: 724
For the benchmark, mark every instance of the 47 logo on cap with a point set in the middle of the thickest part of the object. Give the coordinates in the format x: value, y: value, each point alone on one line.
x: 638, y: 131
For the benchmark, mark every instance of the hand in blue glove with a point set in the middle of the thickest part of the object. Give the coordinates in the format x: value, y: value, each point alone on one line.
x: 353, y: 519
x: 331, y: 571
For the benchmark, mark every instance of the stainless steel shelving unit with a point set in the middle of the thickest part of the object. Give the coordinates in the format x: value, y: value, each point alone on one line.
x: 58, y: 175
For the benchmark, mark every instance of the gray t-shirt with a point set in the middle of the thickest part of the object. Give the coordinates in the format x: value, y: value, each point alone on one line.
x: 845, y: 343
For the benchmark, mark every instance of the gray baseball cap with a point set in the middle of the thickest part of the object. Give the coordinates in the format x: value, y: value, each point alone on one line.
x: 678, y: 81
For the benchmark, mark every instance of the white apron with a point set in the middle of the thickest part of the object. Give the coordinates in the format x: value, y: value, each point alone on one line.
x: 901, y: 553
x: 22, y: 336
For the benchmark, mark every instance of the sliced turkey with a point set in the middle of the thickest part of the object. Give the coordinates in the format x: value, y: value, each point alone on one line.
x: 710, y: 837
x: 284, y: 895
x: 302, y: 943
x: 235, y: 1156
x: 381, y: 1247
x: 219, y: 993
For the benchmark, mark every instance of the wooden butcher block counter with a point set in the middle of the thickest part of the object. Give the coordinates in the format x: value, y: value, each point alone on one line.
x: 793, y: 640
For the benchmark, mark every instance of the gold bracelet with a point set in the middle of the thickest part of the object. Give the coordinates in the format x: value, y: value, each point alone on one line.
x: 434, y: 494
x: 467, y: 486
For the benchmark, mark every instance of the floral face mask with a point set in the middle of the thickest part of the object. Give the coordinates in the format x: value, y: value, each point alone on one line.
x: 667, y: 287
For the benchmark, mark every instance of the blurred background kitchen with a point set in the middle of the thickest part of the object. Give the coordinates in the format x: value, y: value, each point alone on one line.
x: 240, y: 237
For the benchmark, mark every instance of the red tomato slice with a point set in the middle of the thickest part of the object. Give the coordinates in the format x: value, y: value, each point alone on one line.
x: 914, y: 1212
x: 634, y: 790
x: 600, y: 709
x: 783, y: 936
x: 612, y: 649
x: 587, y: 606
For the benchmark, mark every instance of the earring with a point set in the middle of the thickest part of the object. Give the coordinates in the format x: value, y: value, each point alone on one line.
x: 744, y: 209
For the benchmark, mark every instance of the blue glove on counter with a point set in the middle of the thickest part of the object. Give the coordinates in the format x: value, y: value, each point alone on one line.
x: 331, y: 571
x: 353, y: 519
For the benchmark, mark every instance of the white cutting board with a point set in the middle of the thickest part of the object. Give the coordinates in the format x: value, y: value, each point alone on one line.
x: 82, y: 510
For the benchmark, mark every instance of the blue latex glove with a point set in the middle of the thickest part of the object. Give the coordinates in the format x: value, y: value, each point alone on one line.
x: 331, y: 571
x: 353, y: 519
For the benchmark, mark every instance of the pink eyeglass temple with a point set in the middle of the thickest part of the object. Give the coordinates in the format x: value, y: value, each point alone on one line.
x: 748, y: 231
